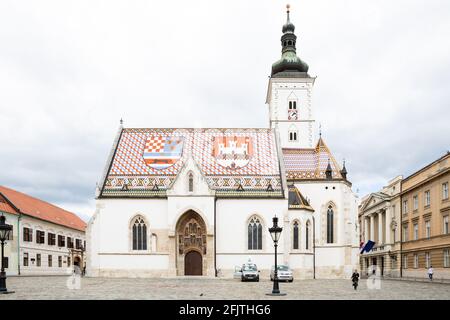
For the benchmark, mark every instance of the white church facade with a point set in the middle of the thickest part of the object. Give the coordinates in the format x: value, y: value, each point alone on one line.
x: 180, y: 202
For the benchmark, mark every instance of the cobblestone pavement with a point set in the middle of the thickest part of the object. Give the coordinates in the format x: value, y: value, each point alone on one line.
x: 189, y: 288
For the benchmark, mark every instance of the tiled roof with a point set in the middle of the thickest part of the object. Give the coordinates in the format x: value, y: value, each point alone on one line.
x: 296, y: 200
x: 310, y: 164
x: 5, y: 206
x: 227, y: 158
x: 43, y: 210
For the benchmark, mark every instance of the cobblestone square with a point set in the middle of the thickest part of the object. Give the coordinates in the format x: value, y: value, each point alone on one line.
x: 203, y: 288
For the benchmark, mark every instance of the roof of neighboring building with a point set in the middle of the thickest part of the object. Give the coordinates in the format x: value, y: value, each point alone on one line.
x: 5, y: 206
x: 40, y: 209
x: 310, y: 163
x: 145, y: 162
x: 446, y: 155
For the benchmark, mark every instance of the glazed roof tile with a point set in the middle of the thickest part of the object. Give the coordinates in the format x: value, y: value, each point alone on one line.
x: 310, y: 163
x: 137, y: 159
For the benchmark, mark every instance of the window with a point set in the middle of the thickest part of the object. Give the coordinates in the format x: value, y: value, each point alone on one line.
x: 69, y: 242
x: 427, y: 229
x: 416, y: 261
x: 61, y: 241
x: 191, y: 182
x: 446, y: 258
x: 405, y: 233
x: 295, y: 232
x: 139, y: 234
x: 416, y: 231
x: 25, y: 259
x: 427, y: 198
x: 445, y: 191
x: 427, y: 259
x: 330, y: 225
x: 27, y: 234
x: 445, y: 231
x: 38, y: 259
x: 415, y: 202
x: 60, y: 261
x: 307, y: 236
x: 5, y: 262
x: 68, y: 261
x: 405, y: 206
x: 51, y: 239
x: 405, y: 261
x: 292, y: 105
x: 292, y: 135
x: 254, y: 234
x: 78, y: 243
x: 50, y: 260
x: 40, y: 236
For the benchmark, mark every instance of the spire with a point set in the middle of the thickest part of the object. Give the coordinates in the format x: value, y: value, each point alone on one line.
x: 344, y: 171
x: 329, y: 171
x: 290, y: 64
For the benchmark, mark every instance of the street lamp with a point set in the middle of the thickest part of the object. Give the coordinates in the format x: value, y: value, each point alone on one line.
x: 275, y: 232
x: 5, y: 230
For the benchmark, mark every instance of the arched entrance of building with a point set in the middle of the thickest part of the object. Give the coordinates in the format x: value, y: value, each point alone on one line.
x: 193, y: 264
x: 191, y: 244
x: 77, y: 262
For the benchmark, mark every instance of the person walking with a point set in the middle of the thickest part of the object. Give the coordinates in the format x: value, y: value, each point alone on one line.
x: 355, y: 279
x: 430, y: 273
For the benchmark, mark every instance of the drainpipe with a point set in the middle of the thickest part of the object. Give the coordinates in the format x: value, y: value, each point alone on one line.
x: 215, y: 239
x: 401, y: 238
x: 18, y: 243
x: 314, y: 247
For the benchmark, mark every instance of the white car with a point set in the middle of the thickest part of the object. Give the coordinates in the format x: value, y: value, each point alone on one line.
x: 248, y: 272
x: 284, y: 273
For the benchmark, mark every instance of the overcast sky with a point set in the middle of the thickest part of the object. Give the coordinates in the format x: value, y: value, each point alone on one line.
x: 69, y: 70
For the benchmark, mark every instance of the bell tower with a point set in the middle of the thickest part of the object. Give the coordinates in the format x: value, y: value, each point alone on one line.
x: 289, y: 94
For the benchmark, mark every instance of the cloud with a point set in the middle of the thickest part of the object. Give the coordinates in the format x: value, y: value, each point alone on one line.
x: 71, y: 70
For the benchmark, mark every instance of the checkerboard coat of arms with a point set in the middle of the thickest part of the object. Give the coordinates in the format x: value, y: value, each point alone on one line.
x: 233, y: 152
x: 162, y: 152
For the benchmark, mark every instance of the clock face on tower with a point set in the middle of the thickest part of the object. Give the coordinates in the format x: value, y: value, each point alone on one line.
x: 292, y: 114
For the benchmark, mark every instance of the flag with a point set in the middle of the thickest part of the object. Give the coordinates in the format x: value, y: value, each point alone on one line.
x: 369, y: 245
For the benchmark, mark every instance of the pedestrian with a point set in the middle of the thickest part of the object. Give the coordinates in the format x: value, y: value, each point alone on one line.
x: 355, y: 278
x: 430, y: 273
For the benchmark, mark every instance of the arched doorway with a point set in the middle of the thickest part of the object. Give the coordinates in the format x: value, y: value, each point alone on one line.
x: 193, y: 264
x: 191, y: 244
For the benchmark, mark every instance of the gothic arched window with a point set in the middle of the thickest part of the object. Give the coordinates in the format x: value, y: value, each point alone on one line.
x: 330, y: 225
x: 295, y: 235
x: 307, y: 235
x: 139, y: 234
x: 254, y: 234
x: 191, y: 182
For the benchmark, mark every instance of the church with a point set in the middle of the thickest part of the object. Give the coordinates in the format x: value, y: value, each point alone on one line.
x: 199, y: 202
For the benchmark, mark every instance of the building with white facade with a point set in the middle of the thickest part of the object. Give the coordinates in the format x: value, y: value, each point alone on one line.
x: 175, y: 202
x: 379, y: 219
x: 46, y: 240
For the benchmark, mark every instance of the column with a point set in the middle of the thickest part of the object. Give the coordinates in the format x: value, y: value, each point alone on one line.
x: 380, y: 227
x: 372, y: 227
x: 388, y: 224
x: 366, y: 229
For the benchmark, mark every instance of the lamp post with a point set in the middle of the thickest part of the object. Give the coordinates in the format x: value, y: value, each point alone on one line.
x: 275, y: 232
x: 5, y: 230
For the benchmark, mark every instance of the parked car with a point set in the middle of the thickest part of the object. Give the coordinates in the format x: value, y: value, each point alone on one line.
x: 284, y: 273
x: 249, y: 272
